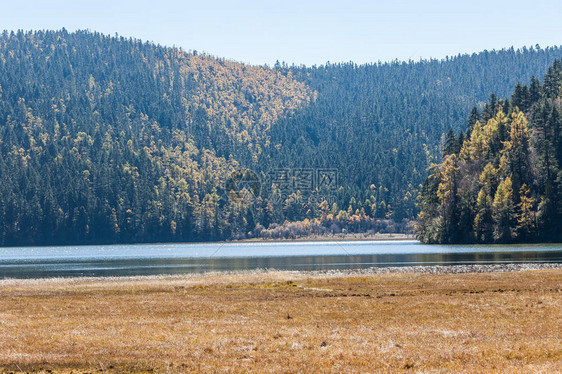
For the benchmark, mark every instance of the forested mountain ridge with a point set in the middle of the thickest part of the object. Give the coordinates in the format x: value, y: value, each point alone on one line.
x: 502, y: 182
x: 107, y: 139
x: 112, y: 139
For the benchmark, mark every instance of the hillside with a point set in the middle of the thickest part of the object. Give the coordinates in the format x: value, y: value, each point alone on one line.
x: 107, y: 139
x: 503, y: 182
x: 388, y: 119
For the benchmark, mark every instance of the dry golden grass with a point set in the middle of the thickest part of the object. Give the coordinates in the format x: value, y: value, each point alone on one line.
x: 285, y: 322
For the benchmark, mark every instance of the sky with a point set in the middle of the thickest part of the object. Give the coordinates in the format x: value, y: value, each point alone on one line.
x: 306, y: 31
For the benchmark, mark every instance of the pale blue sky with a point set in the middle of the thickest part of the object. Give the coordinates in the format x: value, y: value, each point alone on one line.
x: 305, y: 31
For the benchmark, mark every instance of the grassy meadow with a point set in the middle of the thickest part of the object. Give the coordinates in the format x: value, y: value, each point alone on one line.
x: 284, y: 322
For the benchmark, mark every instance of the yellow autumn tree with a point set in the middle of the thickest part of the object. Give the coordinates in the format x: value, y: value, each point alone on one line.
x: 503, y: 211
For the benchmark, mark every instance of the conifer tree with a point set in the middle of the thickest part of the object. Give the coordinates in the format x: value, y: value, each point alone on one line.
x: 526, y: 218
x: 503, y: 212
x: 483, y: 226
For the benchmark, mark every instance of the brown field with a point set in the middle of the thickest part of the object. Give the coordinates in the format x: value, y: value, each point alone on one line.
x: 285, y: 322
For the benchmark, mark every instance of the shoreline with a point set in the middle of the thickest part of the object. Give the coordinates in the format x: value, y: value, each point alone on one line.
x: 322, y: 238
x: 328, y: 238
x: 339, y: 273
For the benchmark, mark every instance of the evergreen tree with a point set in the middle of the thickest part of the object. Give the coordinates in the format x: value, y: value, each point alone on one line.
x: 526, y: 219
x: 483, y: 226
x: 503, y: 212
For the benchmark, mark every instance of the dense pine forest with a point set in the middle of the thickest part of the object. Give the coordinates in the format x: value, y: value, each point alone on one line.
x: 113, y: 140
x: 501, y: 182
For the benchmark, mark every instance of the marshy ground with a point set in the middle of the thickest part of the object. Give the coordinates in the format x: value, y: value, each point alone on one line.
x: 285, y: 322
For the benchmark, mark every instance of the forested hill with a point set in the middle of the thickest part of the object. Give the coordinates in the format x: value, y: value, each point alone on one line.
x: 381, y: 125
x: 108, y: 139
x: 502, y: 182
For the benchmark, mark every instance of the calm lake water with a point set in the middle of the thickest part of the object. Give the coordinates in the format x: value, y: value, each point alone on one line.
x: 151, y: 259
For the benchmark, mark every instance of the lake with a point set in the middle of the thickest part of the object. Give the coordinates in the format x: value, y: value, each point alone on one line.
x: 154, y: 259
